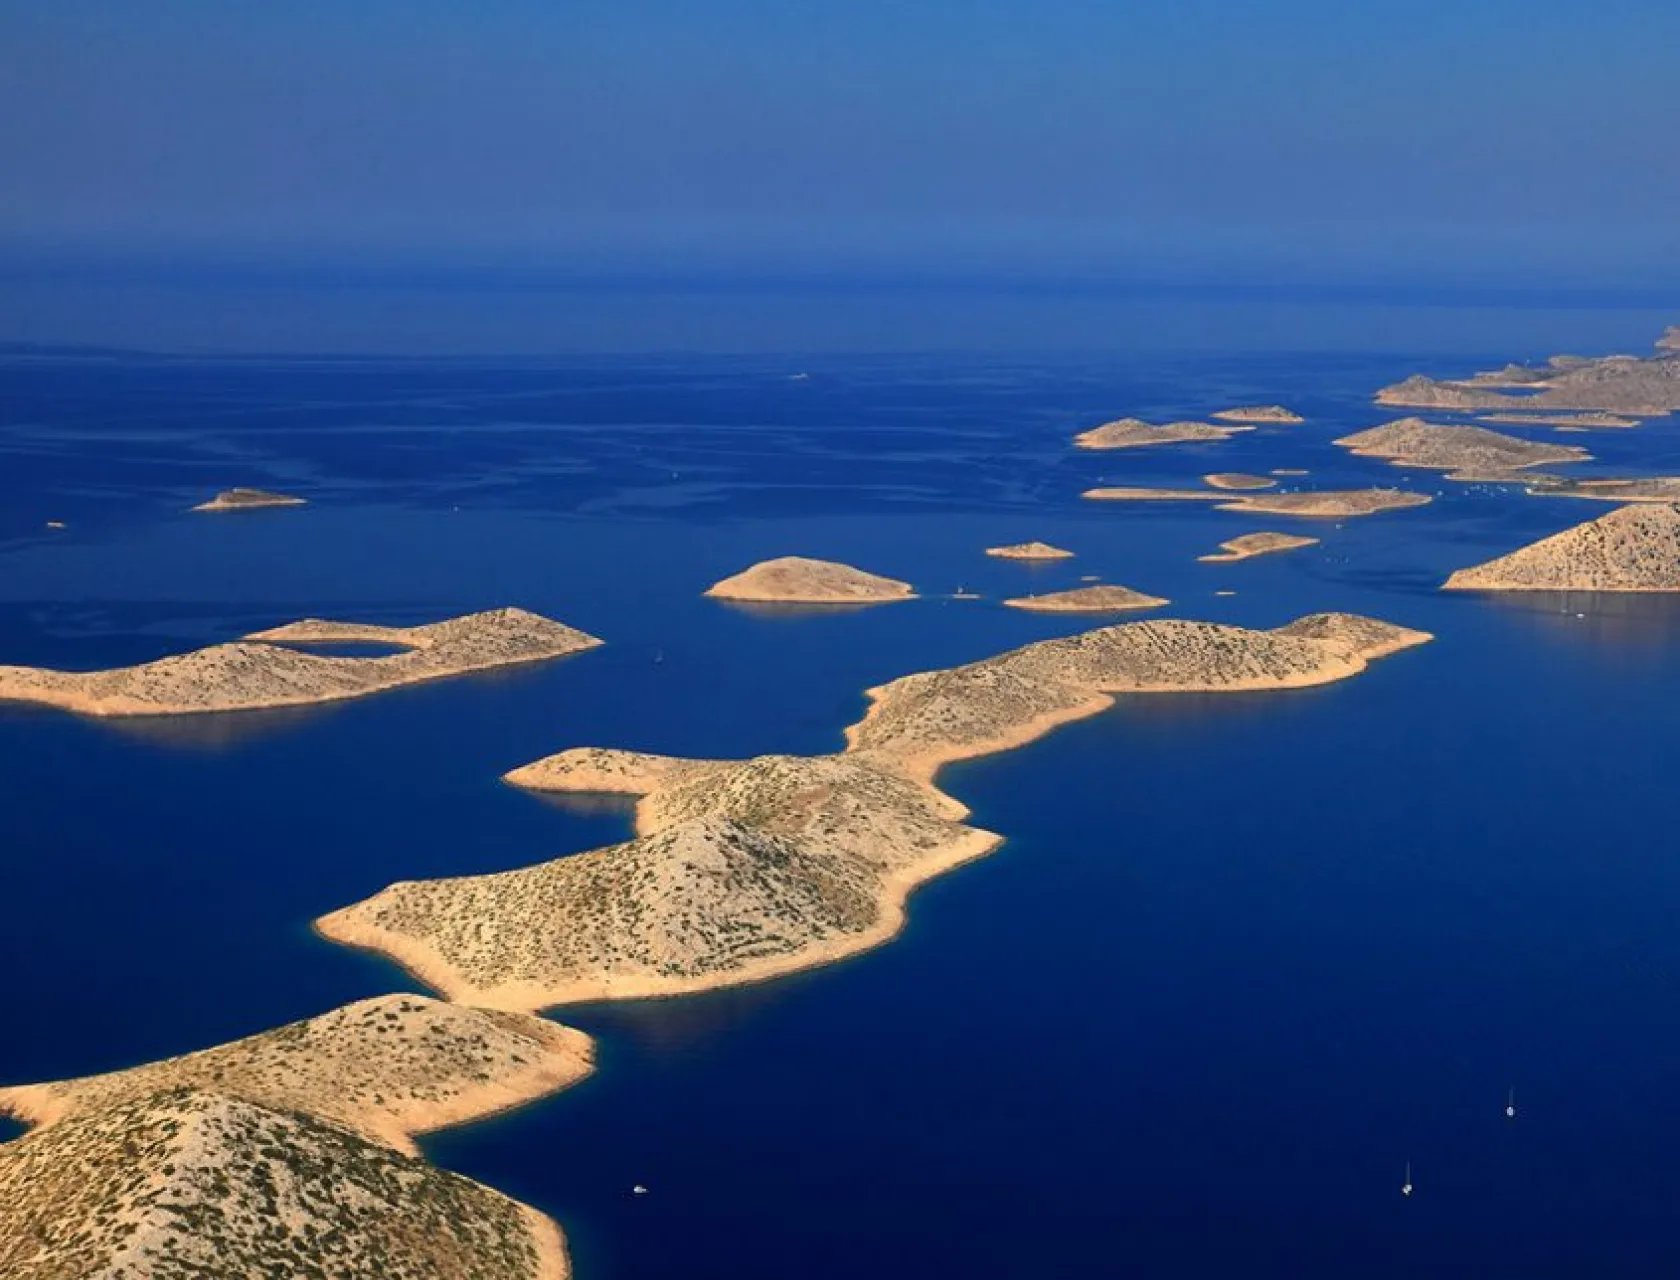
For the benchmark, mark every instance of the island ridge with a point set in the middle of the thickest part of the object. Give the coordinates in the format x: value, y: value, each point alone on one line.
x: 1100, y: 599
x: 1633, y: 548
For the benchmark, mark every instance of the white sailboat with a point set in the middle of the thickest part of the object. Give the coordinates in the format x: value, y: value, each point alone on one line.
x: 1511, y: 1105
x: 1406, y: 1186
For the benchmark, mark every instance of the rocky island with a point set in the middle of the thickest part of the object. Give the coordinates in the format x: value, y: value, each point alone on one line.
x: 1634, y: 548
x: 1623, y: 384
x: 249, y: 500
x: 797, y: 580
x: 1463, y: 451
x: 1273, y: 413
x: 288, y: 1153
x: 1029, y: 551
x: 1134, y: 433
x: 1250, y: 545
x: 263, y: 670
x: 742, y: 870
x: 1238, y: 480
x: 1099, y: 599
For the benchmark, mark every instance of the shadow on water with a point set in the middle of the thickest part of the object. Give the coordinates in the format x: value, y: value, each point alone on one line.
x: 590, y: 804
x: 214, y: 731
x: 769, y: 609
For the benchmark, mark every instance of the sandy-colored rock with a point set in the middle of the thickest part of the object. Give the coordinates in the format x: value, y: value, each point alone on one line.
x: 745, y: 870
x: 1250, y: 545
x: 289, y: 1153
x: 1318, y: 504
x: 263, y: 671
x: 1029, y: 551
x: 1465, y: 450
x: 797, y: 580
x: 249, y: 500
x: 1329, y: 504
x: 1273, y: 413
x: 1134, y: 433
x: 1238, y: 480
x: 1100, y: 599
x: 1634, y: 548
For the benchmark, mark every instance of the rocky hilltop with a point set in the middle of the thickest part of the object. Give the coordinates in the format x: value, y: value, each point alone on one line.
x: 744, y: 870
x: 1134, y: 433
x: 286, y: 1154
x: 1099, y: 599
x: 1250, y: 545
x: 1622, y: 384
x: 797, y: 580
x: 1238, y: 480
x: 1634, y: 548
x: 263, y: 670
x: 1029, y: 551
x: 248, y: 500
x: 1466, y: 450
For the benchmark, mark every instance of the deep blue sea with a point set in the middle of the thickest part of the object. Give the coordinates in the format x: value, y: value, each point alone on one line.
x: 1241, y: 959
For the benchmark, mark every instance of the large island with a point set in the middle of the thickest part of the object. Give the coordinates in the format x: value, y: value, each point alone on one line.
x: 742, y: 870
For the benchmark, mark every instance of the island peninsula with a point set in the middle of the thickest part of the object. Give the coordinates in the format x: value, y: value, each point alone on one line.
x: 1099, y: 599
x: 1029, y: 551
x: 1634, y: 548
x: 1315, y: 504
x: 1135, y: 433
x: 263, y: 671
x: 288, y: 1153
x: 797, y: 580
x: 743, y: 870
x: 1250, y: 545
x: 1463, y: 451
x: 248, y: 500
x: 1626, y: 385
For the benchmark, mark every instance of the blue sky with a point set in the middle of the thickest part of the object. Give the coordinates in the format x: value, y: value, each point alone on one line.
x: 1162, y: 135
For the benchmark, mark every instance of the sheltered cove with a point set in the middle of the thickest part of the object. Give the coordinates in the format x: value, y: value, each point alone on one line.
x: 744, y: 870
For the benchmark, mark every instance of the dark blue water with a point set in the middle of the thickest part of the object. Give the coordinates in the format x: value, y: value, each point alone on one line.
x: 1241, y: 959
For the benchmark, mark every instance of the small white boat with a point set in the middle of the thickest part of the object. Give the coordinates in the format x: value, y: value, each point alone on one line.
x: 638, y: 1190
x: 1406, y: 1186
x: 1511, y: 1105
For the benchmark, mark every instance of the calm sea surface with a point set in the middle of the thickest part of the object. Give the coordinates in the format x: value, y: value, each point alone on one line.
x: 1240, y: 960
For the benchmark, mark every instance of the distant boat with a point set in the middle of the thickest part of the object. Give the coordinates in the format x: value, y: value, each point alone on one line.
x: 638, y: 1190
x: 1406, y: 1186
x: 1511, y: 1105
